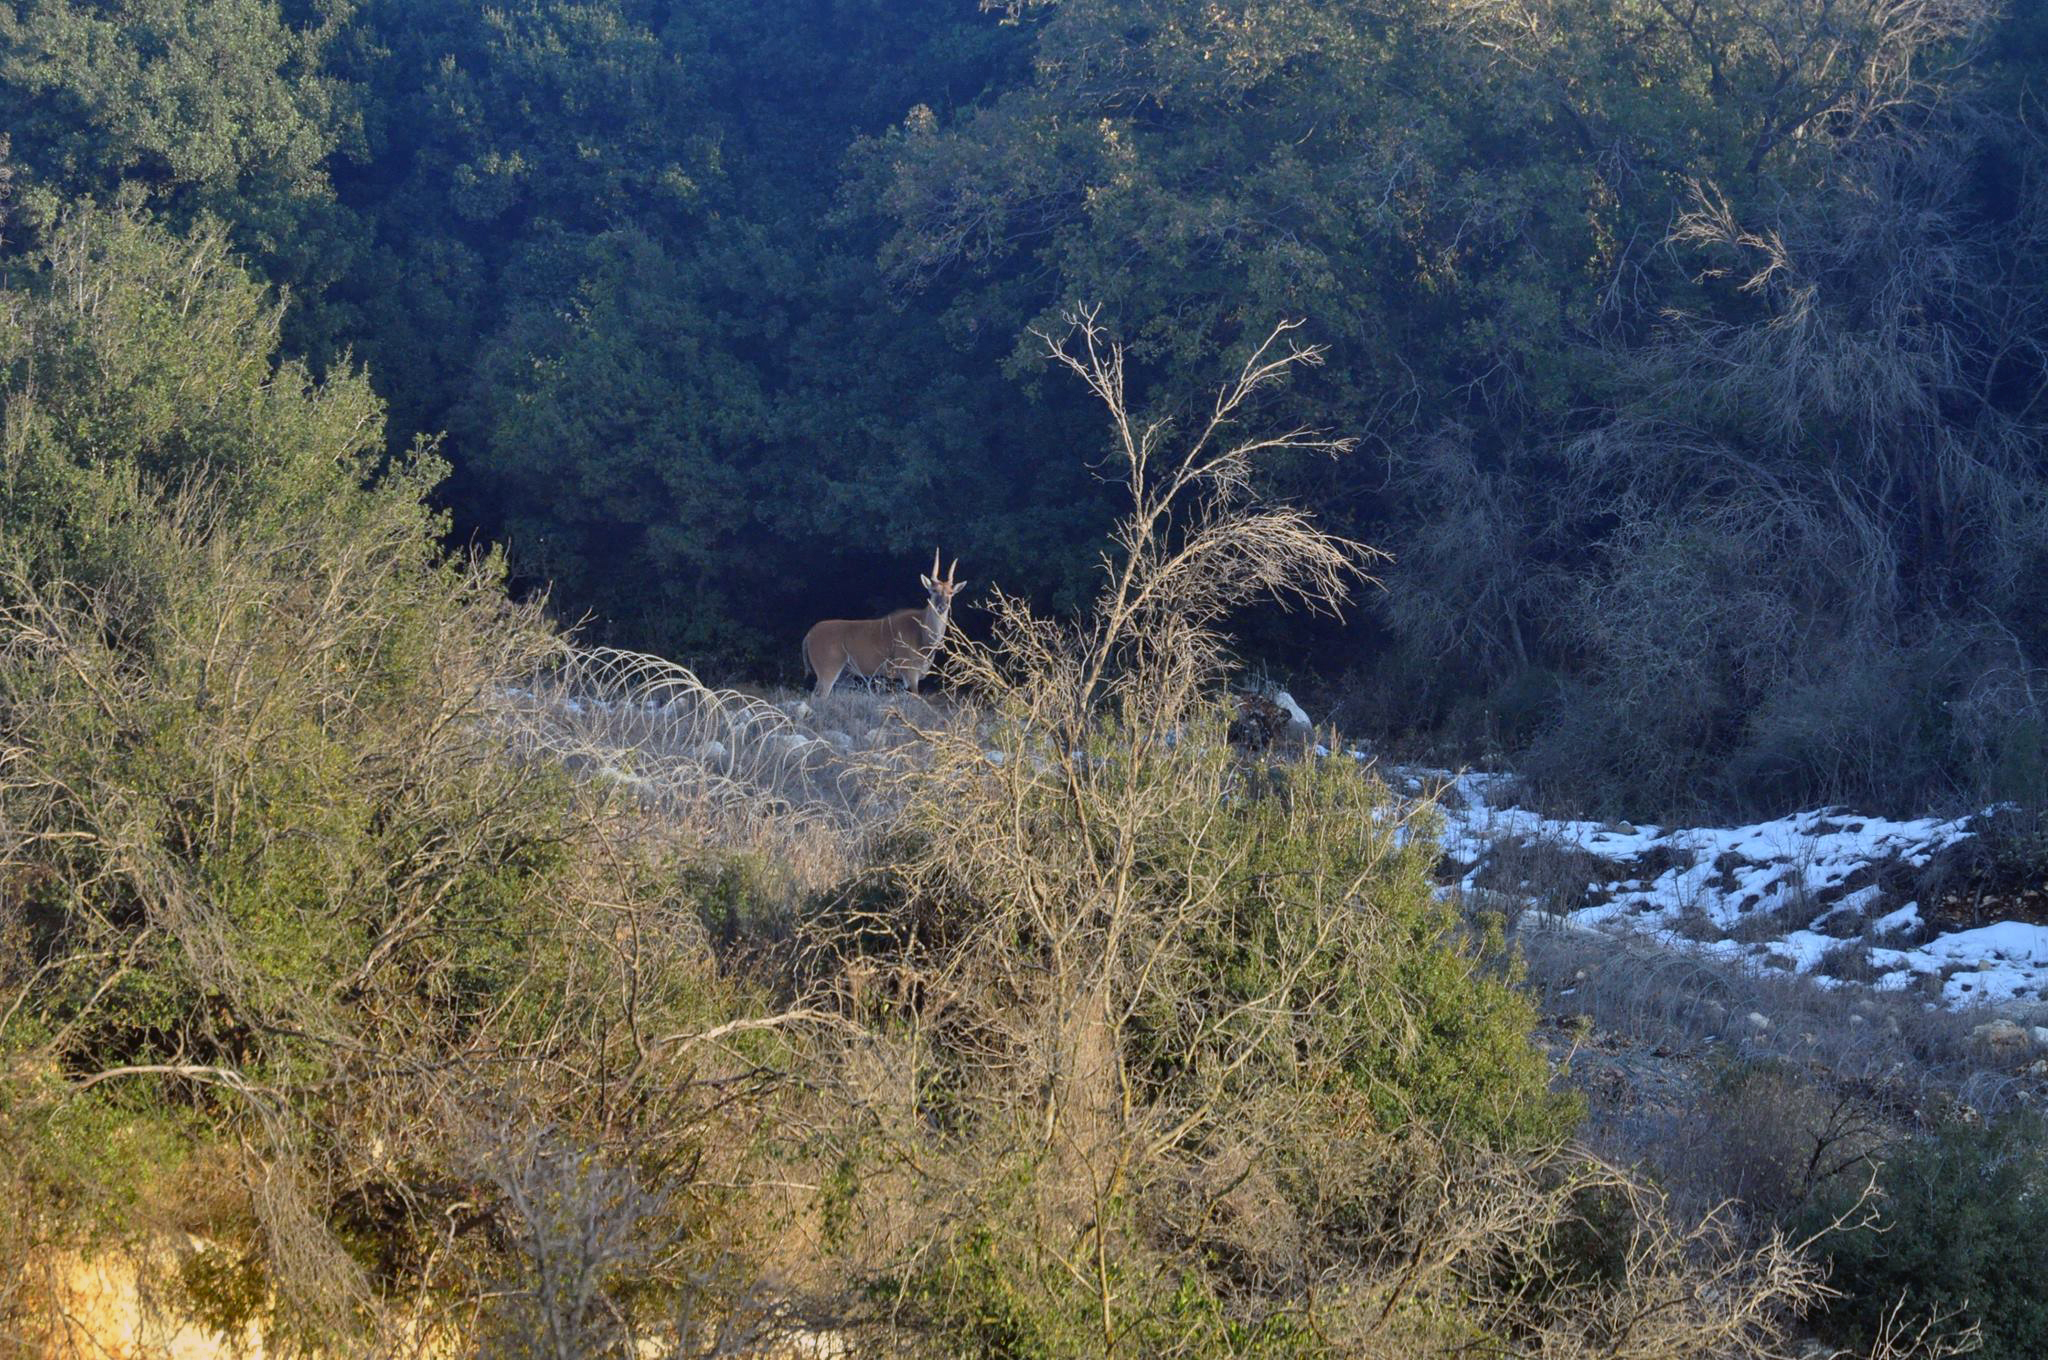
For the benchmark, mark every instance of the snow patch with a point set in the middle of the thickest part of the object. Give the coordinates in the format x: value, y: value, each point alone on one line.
x: 1757, y: 892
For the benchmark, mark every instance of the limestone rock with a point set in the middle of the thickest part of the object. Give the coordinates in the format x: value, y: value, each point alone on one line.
x: 2001, y: 1039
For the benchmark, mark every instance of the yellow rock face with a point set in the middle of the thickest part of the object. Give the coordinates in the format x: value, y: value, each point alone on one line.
x: 103, y: 1307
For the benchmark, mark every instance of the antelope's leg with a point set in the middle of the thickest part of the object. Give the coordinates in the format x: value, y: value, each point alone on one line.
x: 825, y: 682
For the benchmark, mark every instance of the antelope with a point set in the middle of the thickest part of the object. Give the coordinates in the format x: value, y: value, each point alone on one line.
x: 897, y: 646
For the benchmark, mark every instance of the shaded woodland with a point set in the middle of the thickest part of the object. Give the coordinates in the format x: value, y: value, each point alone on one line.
x: 1695, y: 350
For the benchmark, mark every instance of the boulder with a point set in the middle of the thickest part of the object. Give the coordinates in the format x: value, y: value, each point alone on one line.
x: 1258, y: 722
x: 2001, y: 1039
x: 1296, y: 717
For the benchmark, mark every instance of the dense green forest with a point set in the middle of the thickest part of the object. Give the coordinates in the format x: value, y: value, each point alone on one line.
x: 1695, y: 350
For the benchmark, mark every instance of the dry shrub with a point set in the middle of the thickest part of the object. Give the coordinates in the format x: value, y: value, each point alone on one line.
x: 1772, y: 1137
x: 1796, y: 562
x: 303, y: 909
x: 1540, y: 872
x: 1168, y: 1054
x: 294, y: 883
x: 1913, y: 1060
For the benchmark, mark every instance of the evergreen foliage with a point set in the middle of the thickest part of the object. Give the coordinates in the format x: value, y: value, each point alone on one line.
x: 203, y: 108
x: 1957, y: 1233
x: 290, y: 935
x: 1696, y: 350
x: 136, y: 363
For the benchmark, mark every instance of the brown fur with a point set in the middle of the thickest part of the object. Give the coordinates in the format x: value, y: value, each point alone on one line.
x: 898, y: 646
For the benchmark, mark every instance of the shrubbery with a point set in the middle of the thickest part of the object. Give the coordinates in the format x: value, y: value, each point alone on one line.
x: 1124, y: 1045
x: 275, y: 886
x: 1959, y: 1233
x: 1172, y: 1053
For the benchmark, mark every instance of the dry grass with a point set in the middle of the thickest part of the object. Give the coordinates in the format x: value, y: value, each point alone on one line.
x: 1662, y: 996
x: 1722, y: 1108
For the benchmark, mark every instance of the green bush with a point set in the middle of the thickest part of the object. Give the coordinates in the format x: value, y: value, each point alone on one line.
x: 1328, y: 910
x: 988, y: 1308
x: 135, y: 364
x: 1959, y: 1231
x: 1297, y: 994
x: 1168, y: 1025
x: 277, y: 875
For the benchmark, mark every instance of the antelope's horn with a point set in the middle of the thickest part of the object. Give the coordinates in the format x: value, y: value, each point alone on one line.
x: 935, y: 564
x: 953, y: 571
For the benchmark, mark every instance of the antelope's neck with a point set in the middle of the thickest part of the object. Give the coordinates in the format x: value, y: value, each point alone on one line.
x: 934, y: 624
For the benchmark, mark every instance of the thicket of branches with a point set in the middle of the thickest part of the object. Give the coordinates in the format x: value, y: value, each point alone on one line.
x: 1788, y: 555
x: 305, y: 950
x: 435, y: 996
x: 1161, y: 1052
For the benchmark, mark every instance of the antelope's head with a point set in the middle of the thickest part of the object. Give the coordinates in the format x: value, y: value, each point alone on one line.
x: 939, y: 590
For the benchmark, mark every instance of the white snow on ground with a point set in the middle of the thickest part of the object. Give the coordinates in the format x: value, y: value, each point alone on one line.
x: 1772, y: 894
x: 2007, y: 961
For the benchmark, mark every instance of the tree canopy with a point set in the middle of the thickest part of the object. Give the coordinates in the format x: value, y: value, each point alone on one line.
x: 1693, y: 346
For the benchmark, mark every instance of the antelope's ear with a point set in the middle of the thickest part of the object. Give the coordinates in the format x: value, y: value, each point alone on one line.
x: 926, y: 582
